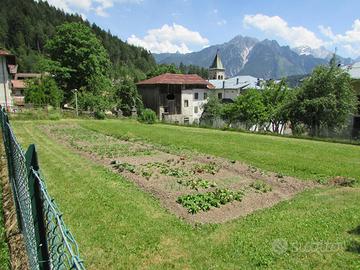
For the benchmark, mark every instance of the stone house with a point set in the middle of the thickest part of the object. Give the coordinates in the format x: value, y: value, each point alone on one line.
x: 177, y: 98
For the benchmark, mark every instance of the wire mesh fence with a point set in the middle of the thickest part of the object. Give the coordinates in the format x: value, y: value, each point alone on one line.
x: 49, y: 244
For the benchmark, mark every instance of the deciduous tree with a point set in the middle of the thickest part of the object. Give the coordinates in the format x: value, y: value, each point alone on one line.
x: 43, y: 91
x: 325, y: 100
x: 77, y: 48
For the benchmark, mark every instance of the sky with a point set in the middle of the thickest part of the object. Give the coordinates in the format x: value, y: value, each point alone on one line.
x: 190, y: 25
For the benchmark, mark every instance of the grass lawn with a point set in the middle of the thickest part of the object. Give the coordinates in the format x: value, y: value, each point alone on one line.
x: 4, y: 251
x: 119, y: 226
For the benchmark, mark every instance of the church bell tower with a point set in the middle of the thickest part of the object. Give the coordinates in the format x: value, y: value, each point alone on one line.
x: 217, y: 70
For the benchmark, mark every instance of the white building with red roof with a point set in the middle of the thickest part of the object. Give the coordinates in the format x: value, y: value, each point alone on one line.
x: 8, y: 68
x: 12, y: 84
x: 177, y: 98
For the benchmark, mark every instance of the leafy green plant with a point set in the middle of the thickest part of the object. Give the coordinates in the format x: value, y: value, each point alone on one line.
x: 147, y: 116
x: 205, y: 201
x: 196, y: 183
x: 176, y: 172
x: 342, y: 181
x: 146, y: 173
x: 99, y: 115
x: 165, y: 169
x: 211, y: 168
x: 261, y: 186
x: 125, y: 167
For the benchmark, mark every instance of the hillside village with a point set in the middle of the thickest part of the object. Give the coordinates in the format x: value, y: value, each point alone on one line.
x: 176, y: 98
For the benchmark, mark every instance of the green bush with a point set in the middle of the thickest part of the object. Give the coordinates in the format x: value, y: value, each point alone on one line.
x: 99, y: 115
x: 261, y: 186
x: 147, y: 116
x: 54, y: 116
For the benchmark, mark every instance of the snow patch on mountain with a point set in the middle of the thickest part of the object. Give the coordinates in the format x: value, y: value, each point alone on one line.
x: 320, y: 52
x: 245, y: 55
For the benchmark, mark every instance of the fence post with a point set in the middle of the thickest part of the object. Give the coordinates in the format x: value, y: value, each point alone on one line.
x: 37, y: 208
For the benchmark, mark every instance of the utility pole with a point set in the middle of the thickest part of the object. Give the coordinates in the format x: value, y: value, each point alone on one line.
x: 76, y: 103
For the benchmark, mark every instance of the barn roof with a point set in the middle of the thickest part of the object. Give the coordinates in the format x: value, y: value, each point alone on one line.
x: 10, y: 58
x: 168, y: 78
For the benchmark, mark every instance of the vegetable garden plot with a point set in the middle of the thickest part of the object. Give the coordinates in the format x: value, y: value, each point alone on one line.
x: 197, y: 188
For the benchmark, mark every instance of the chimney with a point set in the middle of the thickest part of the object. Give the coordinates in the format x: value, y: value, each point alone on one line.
x: 223, y: 84
x: 237, y: 80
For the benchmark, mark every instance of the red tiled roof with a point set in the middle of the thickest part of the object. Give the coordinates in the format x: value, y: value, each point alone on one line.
x: 3, y: 52
x: 169, y: 78
x: 19, y: 84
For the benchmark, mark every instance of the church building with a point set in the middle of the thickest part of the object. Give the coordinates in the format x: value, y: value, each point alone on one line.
x: 217, y: 70
x: 228, y: 89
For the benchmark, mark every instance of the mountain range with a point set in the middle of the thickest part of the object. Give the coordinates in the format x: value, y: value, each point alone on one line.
x: 249, y: 56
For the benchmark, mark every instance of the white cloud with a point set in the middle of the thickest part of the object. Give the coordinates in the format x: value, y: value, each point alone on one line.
x: 352, y: 50
x: 169, y: 38
x: 349, y: 41
x: 276, y: 26
x: 326, y: 31
x: 97, y: 6
x: 221, y: 22
x: 350, y: 36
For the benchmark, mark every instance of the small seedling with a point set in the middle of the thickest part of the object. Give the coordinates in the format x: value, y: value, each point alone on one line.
x: 261, y: 186
x: 147, y: 174
x: 125, y: 167
x: 196, y: 183
x: 253, y: 169
x: 211, y: 168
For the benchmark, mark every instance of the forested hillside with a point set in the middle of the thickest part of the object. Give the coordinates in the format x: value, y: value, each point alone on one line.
x: 26, y: 25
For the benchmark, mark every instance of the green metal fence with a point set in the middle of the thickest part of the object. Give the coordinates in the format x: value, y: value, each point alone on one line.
x: 49, y: 244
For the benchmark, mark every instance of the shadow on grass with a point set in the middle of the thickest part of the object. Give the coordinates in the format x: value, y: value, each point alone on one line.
x: 353, y: 246
x: 355, y: 231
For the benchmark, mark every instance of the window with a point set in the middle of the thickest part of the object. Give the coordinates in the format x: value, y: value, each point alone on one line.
x: 196, y: 109
x: 186, y: 103
x: 196, y: 95
x: 219, y: 95
x: 170, y: 97
x: 205, y: 95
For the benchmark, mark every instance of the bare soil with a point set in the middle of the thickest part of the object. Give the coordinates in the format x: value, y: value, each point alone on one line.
x: 18, y: 255
x: 164, y: 172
